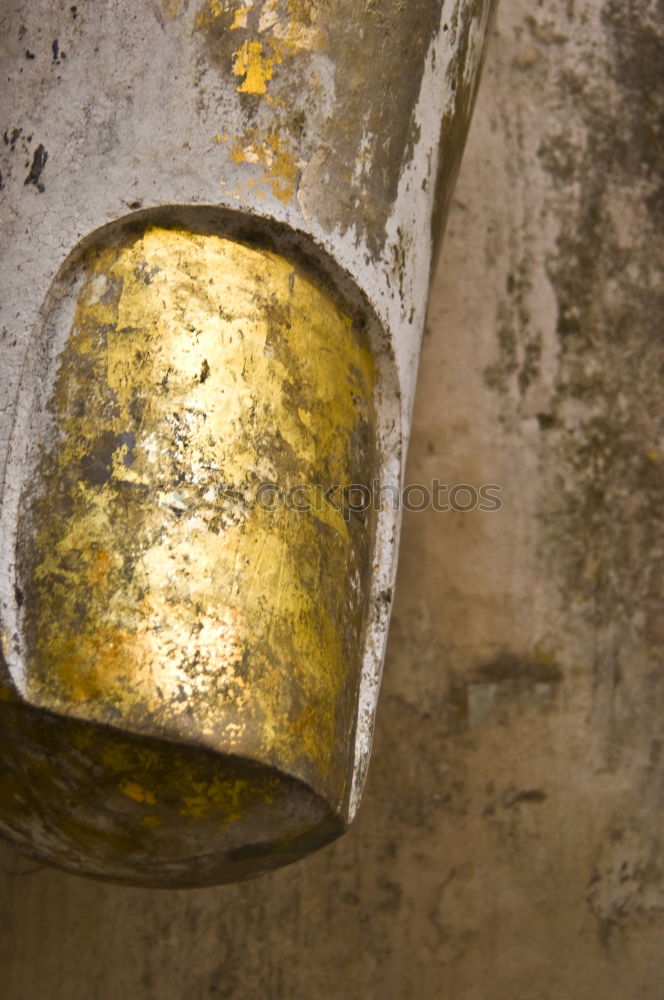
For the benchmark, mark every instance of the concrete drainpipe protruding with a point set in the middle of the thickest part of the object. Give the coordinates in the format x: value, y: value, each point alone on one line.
x: 217, y: 219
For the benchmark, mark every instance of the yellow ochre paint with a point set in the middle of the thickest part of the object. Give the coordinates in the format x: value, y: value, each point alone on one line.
x: 279, y: 33
x: 256, y: 67
x: 280, y: 165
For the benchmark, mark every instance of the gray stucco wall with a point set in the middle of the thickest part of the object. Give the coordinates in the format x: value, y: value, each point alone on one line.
x: 509, y: 843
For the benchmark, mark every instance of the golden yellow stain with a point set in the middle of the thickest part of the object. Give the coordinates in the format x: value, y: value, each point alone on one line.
x: 152, y: 822
x: 278, y: 160
x: 197, y: 371
x: 255, y: 66
x: 98, y: 572
x: 289, y: 27
x: 180, y: 815
x: 281, y: 32
x: 240, y: 17
x: 208, y: 14
x: 173, y: 8
x: 138, y: 794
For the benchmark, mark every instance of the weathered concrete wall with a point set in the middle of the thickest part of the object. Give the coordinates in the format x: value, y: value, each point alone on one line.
x: 509, y: 843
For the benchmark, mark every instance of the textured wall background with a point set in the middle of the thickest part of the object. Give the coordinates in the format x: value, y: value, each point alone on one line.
x: 510, y: 840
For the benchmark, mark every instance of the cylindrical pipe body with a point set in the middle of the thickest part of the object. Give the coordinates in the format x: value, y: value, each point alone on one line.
x: 217, y: 223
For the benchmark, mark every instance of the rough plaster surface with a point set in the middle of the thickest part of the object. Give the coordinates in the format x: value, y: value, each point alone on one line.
x: 509, y: 844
